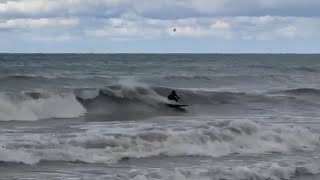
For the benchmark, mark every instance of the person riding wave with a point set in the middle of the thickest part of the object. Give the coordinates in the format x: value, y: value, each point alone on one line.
x: 174, y: 96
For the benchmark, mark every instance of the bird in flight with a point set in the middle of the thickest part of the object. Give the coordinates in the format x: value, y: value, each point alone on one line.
x: 174, y: 29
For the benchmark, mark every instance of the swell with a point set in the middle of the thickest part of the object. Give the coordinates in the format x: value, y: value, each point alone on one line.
x: 31, y: 78
x: 310, y: 95
x: 27, y: 78
x: 12, y: 77
x: 302, y: 91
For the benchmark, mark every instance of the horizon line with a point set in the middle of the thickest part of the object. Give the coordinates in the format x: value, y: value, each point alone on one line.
x: 275, y: 53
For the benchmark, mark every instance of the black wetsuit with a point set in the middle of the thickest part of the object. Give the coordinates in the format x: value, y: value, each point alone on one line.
x: 173, y: 96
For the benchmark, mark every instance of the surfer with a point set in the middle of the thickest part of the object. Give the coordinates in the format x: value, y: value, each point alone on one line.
x: 174, y: 96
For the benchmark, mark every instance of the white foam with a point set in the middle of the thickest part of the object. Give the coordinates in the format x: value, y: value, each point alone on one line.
x: 17, y: 156
x: 100, y: 145
x: 50, y: 106
x: 88, y: 94
x: 258, y: 171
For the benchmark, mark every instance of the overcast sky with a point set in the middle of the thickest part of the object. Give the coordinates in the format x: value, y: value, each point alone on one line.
x: 214, y: 26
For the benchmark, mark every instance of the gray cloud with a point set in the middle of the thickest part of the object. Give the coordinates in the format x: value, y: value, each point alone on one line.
x: 127, y: 19
x: 165, y: 9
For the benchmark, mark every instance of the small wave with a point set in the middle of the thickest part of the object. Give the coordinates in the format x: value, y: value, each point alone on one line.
x: 302, y: 69
x: 305, y: 96
x: 22, y: 77
x: 51, y: 78
x: 186, y: 77
x: 303, y: 91
x: 306, y: 69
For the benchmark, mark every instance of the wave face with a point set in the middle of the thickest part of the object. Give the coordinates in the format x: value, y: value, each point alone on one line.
x: 105, y: 145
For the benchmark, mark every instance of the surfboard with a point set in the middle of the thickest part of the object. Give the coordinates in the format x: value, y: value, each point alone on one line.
x: 176, y: 105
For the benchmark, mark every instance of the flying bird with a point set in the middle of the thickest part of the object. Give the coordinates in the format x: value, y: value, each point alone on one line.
x: 174, y: 29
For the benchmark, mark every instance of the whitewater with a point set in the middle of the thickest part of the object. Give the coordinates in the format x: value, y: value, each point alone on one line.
x: 104, y: 116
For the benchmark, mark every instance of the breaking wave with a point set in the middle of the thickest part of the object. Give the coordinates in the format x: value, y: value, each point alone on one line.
x: 212, y: 139
x: 31, y: 106
x: 130, y: 99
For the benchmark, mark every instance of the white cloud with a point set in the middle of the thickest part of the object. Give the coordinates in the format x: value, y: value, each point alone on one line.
x: 221, y: 25
x: 52, y: 38
x: 208, y: 6
x: 117, y: 28
x: 28, y: 6
x: 288, y: 31
x: 190, y: 31
x: 38, y: 23
x: 54, y: 8
x: 113, y: 32
x: 200, y: 29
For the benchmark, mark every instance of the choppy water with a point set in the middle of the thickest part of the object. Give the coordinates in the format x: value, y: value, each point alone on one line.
x: 86, y: 116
